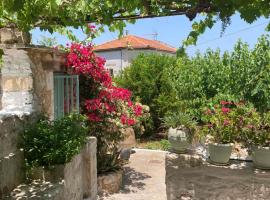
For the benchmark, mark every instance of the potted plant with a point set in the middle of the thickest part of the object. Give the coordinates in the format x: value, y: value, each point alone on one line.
x: 256, y: 137
x: 181, y: 130
x: 220, y: 129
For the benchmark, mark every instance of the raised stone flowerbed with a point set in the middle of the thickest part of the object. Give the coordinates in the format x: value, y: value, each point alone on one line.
x: 75, y: 180
x: 192, y: 177
x: 110, y: 183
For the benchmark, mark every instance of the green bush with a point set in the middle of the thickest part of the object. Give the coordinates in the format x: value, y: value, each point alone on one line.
x: 188, y: 84
x: 49, y: 143
x: 148, y: 82
x: 243, y: 74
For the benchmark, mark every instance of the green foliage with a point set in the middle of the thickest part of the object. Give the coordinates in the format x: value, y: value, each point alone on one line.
x: 148, y: 82
x: 56, y: 15
x: 49, y: 143
x: 211, y: 77
x: 187, y: 85
x: 227, y: 121
x: 159, y: 145
x: 177, y: 119
x: 108, y: 137
x: 258, y: 133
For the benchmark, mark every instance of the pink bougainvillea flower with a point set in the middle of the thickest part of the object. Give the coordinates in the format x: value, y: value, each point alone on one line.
x: 109, y: 101
x: 131, y: 122
x: 138, y: 110
x: 226, y: 122
x: 124, y: 119
x: 225, y: 110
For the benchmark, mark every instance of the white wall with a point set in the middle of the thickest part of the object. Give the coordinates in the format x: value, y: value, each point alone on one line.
x: 119, y: 59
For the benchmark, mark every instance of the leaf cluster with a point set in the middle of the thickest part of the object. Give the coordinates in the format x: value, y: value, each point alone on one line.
x: 48, y: 143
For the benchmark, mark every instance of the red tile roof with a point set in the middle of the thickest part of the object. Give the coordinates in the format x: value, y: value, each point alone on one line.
x: 134, y: 42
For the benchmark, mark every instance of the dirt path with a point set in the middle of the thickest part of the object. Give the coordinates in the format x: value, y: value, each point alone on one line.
x: 144, y: 177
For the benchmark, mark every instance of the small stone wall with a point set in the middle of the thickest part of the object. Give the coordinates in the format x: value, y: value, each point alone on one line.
x: 191, y: 177
x: 75, y: 180
x: 11, y: 158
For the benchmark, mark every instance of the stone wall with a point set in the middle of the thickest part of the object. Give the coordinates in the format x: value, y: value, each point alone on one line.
x: 26, y: 87
x: 75, y: 180
x: 11, y: 158
x: 191, y: 177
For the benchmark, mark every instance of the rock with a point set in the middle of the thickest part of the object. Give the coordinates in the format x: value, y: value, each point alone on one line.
x: 129, y: 138
x: 125, y: 153
x: 110, y: 183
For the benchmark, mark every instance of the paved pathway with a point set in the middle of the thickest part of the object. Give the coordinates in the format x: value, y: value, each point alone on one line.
x: 144, y: 177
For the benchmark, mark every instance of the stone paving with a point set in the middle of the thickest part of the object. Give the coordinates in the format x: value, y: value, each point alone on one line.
x: 144, y: 177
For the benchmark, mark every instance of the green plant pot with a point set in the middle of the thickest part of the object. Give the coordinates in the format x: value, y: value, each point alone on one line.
x: 178, y: 140
x: 261, y: 157
x: 220, y: 153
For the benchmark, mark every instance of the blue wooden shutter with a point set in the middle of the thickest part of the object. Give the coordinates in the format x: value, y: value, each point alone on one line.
x: 66, y: 94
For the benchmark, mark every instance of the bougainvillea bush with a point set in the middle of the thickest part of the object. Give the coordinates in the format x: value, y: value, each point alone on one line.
x: 109, y: 108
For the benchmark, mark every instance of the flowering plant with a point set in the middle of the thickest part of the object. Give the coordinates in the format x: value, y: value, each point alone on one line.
x: 258, y: 134
x: 108, y: 108
x: 227, y: 121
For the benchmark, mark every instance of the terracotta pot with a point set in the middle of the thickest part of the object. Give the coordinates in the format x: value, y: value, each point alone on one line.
x: 220, y: 153
x: 261, y: 157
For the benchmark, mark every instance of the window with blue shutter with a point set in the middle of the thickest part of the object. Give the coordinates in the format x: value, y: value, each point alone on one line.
x: 66, y: 94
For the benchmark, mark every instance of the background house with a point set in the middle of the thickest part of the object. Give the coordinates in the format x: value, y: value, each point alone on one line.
x: 119, y: 53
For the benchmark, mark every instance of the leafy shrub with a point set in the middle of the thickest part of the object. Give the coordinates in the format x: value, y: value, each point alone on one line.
x: 228, y: 121
x: 257, y: 134
x: 243, y: 74
x: 146, y: 80
x: 49, y: 143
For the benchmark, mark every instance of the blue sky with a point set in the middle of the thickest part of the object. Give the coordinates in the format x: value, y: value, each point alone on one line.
x: 173, y: 30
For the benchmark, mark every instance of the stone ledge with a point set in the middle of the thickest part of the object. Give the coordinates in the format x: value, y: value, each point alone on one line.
x: 191, y: 177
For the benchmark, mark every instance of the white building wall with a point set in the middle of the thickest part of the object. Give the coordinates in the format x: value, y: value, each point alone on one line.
x: 117, y: 60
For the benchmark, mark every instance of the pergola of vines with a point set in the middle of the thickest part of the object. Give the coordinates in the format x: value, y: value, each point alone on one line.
x: 56, y: 15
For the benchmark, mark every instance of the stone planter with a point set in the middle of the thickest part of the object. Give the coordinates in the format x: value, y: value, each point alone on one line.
x: 178, y: 139
x: 220, y: 153
x: 261, y: 157
x: 74, y: 180
x: 110, y: 182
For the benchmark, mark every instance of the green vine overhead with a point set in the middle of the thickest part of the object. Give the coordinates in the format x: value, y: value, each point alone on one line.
x: 54, y: 14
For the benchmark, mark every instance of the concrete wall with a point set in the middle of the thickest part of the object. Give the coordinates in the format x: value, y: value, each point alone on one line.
x: 121, y: 58
x: 191, y: 177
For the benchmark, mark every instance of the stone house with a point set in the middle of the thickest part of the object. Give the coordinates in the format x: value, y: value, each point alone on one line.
x: 119, y: 53
x: 33, y: 80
